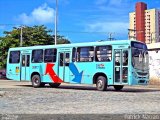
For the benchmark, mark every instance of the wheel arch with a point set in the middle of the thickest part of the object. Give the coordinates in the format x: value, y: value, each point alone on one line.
x: 34, y: 73
x: 97, y: 75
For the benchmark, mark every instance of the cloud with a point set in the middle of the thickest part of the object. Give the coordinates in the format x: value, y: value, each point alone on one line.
x: 118, y: 28
x: 41, y: 15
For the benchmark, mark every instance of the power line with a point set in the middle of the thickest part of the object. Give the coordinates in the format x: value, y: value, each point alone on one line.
x: 83, y: 32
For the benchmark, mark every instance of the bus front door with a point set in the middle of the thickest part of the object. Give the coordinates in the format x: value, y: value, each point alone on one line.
x: 25, y: 67
x: 63, y: 72
x: 120, y: 66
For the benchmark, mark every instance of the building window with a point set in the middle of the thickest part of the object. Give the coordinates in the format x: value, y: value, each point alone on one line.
x: 37, y: 56
x: 14, y: 57
x: 50, y: 55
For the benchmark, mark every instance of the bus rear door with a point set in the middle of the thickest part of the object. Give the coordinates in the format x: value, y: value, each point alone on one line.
x: 25, y: 66
x: 63, y: 65
x: 120, y: 66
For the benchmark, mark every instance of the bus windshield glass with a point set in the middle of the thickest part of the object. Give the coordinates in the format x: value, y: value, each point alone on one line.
x: 140, y: 56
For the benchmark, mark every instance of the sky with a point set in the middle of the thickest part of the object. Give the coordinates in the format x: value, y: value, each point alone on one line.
x: 78, y: 20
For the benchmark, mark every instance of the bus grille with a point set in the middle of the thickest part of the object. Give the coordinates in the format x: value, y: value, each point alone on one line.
x: 143, y: 74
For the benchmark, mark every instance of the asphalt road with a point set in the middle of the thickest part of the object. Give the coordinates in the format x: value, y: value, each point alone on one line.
x: 21, y: 98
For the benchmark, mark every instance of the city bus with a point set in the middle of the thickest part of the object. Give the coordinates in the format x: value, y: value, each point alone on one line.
x: 107, y: 63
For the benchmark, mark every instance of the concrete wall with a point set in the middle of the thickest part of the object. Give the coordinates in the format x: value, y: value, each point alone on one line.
x: 154, y: 64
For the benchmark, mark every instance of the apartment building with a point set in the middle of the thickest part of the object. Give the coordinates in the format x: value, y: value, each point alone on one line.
x: 144, y: 24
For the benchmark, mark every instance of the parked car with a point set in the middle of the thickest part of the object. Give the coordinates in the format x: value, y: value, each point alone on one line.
x: 2, y: 74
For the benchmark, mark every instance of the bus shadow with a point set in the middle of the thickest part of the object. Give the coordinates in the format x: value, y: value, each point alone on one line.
x: 24, y: 86
x: 91, y: 88
x: 111, y: 89
x: 135, y: 90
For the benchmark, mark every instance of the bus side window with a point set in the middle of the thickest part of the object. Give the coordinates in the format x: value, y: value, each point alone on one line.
x: 125, y: 57
x: 85, y: 54
x: 117, y: 58
x: 50, y: 55
x: 23, y: 60
x: 37, y: 56
x: 67, y: 59
x: 74, y: 55
x: 14, y: 57
x: 103, y: 53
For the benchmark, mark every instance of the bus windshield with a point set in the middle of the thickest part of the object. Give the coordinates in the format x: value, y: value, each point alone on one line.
x: 140, y: 56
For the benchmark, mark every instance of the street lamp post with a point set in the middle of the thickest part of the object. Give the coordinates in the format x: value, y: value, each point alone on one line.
x: 21, y: 38
x: 56, y: 15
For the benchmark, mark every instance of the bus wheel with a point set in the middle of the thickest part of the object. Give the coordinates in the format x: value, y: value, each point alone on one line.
x: 118, y: 87
x: 36, y: 81
x: 101, y: 83
x: 54, y: 85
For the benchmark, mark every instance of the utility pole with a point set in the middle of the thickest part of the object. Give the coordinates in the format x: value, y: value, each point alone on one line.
x: 110, y: 36
x: 19, y: 28
x: 56, y: 15
x: 21, y: 37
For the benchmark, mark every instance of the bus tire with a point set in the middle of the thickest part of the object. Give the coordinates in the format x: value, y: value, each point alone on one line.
x: 101, y: 83
x: 36, y: 81
x: 118, y: 87
x: 54, y: 85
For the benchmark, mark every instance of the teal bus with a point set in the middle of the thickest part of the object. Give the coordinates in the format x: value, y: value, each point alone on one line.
x: 106, y: 63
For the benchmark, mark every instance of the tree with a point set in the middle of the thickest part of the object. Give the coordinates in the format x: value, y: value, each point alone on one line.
x: 36, y: 35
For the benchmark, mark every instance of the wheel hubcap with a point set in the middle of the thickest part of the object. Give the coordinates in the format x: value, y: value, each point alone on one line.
x: 35, y: 81
x: 100, y: 84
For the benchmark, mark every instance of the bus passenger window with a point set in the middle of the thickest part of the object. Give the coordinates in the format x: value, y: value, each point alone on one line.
x: 103, y: 53
x: 74, y: 55
x: 61, y: 59
x: 14, y: 57
x: 85, y: 54
x: 117, y: 58
x: 50, y: 55
x: 37, y: 56
x: 125, y: 58
x: 23, y: 60
x: 67, y: 60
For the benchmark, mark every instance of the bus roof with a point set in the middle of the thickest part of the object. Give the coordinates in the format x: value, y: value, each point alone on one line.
x: 115, y: 42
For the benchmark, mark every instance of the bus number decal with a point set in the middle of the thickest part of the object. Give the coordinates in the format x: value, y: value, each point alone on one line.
x: 35, y: 67
x: 100, y: 66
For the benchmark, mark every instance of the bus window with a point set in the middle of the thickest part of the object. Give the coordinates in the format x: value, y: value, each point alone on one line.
x: 103, y: 53
x: 14, y: 57
x: 61, y: 59
x: 37, y: 56
x: 125, y: 58
x: 117, y: 58
x: 25, y: 60
x: 50, y: 55
x: 67, y: 59
x: 85, y: 54
x: 74, y: 54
